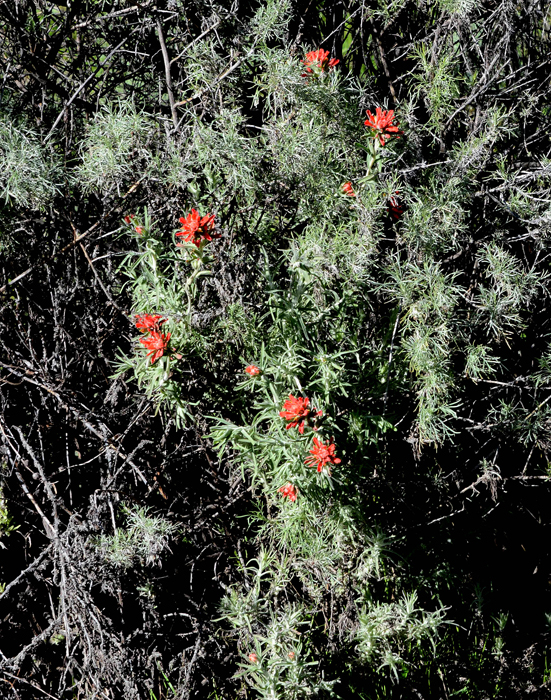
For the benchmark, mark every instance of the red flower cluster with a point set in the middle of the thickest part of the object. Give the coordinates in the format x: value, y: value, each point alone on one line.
x: 318, y: 60
x: 382, y: 124
x: 197, y: 228
x: 348, y: 189
x: 322, y: 454
x: 296, y: 411
x: 288, y: 491
x: 253, y: 658
x: 253, y: 370
x: 156, y: 342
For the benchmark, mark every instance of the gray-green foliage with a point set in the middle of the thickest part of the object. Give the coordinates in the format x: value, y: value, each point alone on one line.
x: 435, y: 221
x: 273, y: 640
x: 427, y: 301
x: 387, y: 630
x: 510, y: 289
x: 115, y: 151
x: 29, y: 171
x: 461, y: 8
x: 437, y: 82
x: 142, y: 540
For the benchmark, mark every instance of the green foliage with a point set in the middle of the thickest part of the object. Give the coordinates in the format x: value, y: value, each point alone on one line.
x: 7, y: 526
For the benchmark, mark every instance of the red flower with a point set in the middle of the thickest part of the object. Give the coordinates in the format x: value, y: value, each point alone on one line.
x: 318, y: 60
x: 288, y: 491
x: 129, y: 219
x: 253, y: 370
x: 197, y: 228
x: 348, y: 189
x: 322, y: 454
x: 157, y: 343
x: 382, y: 124
x: 394, y: 207
x: 253, y: 658
x: 291, y: 655
x: 149, y: 323
x: 296, y: 411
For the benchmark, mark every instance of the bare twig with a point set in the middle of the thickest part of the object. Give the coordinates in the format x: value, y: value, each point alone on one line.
x: 187, y: 48
x: 85, y: 83
x: 32, y: 567
x: 167, y: 75
x: 73, y: 243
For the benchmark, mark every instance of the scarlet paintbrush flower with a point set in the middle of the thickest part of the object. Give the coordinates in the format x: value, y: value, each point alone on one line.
x: 394, y: 207
x: 129, y: 219
x: 296, y: 411
x: 197, y: 228
x: 149, y: 323
x: 318, y: 61
x: 253, y: 370
x: 288, y: 491
x: 348, y: 189
x: 157, y: 343
x: 253, y: 658
x: 321, y: 454
x: 382, y: 124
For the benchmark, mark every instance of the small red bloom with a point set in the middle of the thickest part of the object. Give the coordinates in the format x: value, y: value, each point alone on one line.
x: 149, y: 323
x: 394, y: 206
x: 197, y: 228
x: 291, y: 655
x: 129, y: 219
x: 348, y: 189
x: 322, y: 454
x: 318, y: 61
x: 253, y: 658
x: 296, y: 411
x: 157, y: 344
x: 288, y: 491
x: 382, y: 124
x: 253, y: 370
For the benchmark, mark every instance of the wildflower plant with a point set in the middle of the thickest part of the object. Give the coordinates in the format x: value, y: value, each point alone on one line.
x: 317, y: 246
